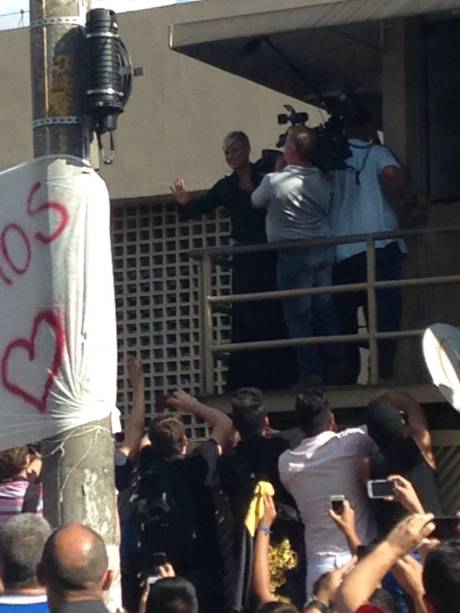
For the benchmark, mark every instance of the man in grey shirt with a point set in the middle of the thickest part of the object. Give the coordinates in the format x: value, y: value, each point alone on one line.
x: 298, y: 200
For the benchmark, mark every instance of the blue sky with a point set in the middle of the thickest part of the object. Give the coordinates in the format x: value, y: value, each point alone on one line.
x: 14, y: 20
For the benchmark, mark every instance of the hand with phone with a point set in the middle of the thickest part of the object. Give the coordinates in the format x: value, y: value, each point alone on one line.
x: 161, y: 569
x: 361, y: 582
x: 410, y: 533
x: 446, y: 527
x: 343, y: 515
x: 337, y: 501
x: 381, y: 488
x: 405, y: 494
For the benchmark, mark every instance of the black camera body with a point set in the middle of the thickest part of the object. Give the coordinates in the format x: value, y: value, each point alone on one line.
x: 331, y: 145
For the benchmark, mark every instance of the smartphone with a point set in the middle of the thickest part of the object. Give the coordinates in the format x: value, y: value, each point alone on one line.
x: 446, y: 528
x: 380, y: 488
x: 337, y: 503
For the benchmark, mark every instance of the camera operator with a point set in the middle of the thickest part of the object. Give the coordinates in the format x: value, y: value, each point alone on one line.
x: 365, y: 194
x: 297, y: 200
x: 251, y: 272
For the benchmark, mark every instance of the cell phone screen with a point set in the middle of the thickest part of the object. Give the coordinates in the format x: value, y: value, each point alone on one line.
x: 337, y: 504
x: 381, y: 488
x: 446, y: 528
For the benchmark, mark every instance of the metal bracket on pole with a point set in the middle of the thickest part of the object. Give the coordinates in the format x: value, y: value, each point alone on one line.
x: 101, y: 35
x: 53, y: 121
x: 71, y: 20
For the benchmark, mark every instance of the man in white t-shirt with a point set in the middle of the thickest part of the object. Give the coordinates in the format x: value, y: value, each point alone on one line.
x: 326, y: 463
x: 364, y: 199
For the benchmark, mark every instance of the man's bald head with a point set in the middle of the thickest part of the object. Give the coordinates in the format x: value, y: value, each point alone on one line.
x: 74, y: 559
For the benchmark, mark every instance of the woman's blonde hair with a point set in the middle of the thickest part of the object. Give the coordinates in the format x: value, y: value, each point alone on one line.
x: 236, y: 138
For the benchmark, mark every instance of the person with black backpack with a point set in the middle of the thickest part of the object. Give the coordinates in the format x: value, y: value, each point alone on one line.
x: 182, y: 515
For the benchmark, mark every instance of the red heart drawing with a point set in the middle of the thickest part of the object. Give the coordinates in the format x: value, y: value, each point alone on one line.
x: 45, y: 317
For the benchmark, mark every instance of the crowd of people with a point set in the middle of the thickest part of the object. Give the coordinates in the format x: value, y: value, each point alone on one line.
x: 251, y: 519
x: 299, y: 202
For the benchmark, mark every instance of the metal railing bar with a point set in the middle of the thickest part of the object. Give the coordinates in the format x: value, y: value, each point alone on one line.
x: 285, y: 293
x: 416, y: 282
x: 222, y: 261
x: 331, y: 289
x: 313, y: 340
x: 317, y: 242
x: 207, y: 257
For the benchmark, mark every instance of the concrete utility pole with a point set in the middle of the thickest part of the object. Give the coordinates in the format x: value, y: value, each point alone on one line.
x: 78, y: 464
x: 58, y: 70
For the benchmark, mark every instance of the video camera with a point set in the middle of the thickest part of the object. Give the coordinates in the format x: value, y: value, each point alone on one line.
x: 331, y: 145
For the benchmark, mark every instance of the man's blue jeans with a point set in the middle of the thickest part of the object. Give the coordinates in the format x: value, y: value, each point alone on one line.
x: 310, y: 315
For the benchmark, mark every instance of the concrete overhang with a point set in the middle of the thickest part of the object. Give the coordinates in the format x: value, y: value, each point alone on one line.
x: 308, y: 49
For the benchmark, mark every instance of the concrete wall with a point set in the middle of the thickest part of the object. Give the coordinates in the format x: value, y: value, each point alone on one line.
x: 404, y: 118
x: 175, y: 119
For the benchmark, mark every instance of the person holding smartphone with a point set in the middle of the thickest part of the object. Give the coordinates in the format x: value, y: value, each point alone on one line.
x: 398, y: 426
x: 326, y: 463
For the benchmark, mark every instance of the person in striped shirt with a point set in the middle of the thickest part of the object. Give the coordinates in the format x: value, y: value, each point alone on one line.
x: 20, y: 490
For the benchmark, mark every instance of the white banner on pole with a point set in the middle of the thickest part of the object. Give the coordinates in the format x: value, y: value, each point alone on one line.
x: 57, y: 310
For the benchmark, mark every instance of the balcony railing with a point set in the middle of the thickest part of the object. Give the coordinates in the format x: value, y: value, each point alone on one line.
x: 215, y: 256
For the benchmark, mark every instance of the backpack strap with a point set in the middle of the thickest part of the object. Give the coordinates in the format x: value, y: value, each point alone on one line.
x: 358, y: 172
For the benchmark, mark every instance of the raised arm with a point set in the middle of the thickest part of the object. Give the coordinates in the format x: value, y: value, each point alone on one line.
x: 358, y: 586
x: 261, y: 562
x: 181, y: 195
x: 190, y: 206
x: 345, y: 521
x: 221, y: 424
x: 134, y: 430
x: 416, y: 422
x: 406, y: 495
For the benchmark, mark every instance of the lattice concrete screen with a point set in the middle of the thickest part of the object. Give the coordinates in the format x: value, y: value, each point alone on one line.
x: 157, y: 297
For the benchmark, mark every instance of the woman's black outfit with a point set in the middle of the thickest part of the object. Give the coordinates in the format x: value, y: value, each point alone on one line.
x: 251, y: 272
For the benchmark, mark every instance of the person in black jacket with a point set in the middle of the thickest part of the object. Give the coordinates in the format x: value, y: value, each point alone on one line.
x: 252, y: 460
x: 251, y: 272
x: 182, y: 513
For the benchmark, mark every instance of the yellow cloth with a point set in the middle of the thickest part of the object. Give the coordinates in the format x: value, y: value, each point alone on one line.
x: 256, y: 508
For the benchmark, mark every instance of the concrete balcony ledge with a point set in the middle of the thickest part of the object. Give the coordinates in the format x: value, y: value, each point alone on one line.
x: 340, y: 397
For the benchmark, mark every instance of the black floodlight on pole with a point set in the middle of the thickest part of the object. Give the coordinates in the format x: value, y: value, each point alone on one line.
x: 110, y: 75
